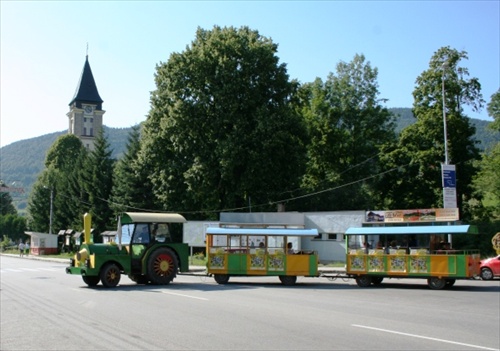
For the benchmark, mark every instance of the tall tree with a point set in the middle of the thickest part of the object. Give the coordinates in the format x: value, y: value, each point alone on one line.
x: 6, y: 205
x: 12, y: 225
x: 132, y: 190
x: 221, y: 133
x: 487, y: 180
x: 494, y: 110
x: 347, y: 127
x: 420, y: 150
x: 51, y: 198
x: 98, y: 183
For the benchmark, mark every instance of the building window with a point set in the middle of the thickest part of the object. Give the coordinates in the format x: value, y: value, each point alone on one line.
x: 84, y: 130
x: 91, y: 131
x: 84, y: 119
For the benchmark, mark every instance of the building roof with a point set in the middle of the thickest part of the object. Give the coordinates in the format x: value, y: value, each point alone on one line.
x: 432, y: 229
x: 86, y: 90
x: 262, y: 231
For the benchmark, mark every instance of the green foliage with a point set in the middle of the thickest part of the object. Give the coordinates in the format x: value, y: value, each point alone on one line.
x: 13, y: 227
x: 419, y: 153
x: 487, y: 182
x: 221, y: 117
x: 494, y: 110
x: 97, y: 183
x: 132, y: 190
x: 6, y: 206
x: 347, y: 127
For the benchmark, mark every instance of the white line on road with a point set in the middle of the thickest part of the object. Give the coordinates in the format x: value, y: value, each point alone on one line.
x: 183, y: 295
x: 424, y: 337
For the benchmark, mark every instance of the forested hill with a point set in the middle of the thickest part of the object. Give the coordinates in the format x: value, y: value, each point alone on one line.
x: 22, y: 161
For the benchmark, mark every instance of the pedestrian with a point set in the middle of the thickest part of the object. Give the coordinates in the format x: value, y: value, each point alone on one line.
x: 27, y: 248
x: 21, y: 249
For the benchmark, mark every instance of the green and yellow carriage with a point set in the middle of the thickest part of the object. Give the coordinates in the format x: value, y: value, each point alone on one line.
x: 259, y: 252
x: 409, y: 251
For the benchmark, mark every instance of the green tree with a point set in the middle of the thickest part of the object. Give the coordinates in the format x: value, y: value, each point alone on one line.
x: 13, y: 226
x: 6, y: 205
x: 97, y: 181
x: 39, y: 203
x: 487, y: 180
x: 494, y: 111
x: 347, y: 127
x: 52, y: 188
x: 132, y: 190
x: 221, y: 133
x: 420, y: 150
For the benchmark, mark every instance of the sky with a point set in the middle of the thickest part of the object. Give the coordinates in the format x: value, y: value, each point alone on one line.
x: 43, y: 45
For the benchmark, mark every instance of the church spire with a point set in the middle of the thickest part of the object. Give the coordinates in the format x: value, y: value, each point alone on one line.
x: 86, y: 90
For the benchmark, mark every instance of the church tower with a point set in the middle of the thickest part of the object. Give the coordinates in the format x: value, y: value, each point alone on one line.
x: 85, y: 109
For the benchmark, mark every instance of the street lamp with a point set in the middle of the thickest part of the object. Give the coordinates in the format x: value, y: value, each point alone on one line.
x: 444, y: 66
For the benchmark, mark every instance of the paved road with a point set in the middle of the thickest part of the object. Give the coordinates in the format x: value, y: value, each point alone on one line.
x: 42, y: 308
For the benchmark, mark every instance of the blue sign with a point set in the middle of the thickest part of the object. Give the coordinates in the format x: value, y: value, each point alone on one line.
x: 449, y: 176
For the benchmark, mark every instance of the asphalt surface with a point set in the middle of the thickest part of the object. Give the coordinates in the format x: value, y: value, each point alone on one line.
x: 323, y: 270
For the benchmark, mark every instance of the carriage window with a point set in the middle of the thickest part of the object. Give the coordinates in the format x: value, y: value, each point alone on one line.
x: 219, y: 241
x: 275, y: 241
x: 256, y: 241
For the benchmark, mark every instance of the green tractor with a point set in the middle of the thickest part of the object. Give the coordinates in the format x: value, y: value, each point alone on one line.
x: 143, y: 249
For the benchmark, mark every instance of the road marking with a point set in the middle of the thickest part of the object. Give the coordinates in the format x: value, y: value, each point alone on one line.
x: 424, y: 337
x: 183, y: 295
x: 11, y: 270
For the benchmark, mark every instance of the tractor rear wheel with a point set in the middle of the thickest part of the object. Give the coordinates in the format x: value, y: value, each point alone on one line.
x: 162, y: 266
x: 110, y: 275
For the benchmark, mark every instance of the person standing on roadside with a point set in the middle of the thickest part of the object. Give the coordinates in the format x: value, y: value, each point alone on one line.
x: 27, y: 248
x: 21, y: 249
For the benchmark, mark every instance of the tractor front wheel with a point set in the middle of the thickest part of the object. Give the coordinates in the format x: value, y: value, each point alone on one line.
x: 110, y: 275
x: 162, y: 266
x: 91, y: 281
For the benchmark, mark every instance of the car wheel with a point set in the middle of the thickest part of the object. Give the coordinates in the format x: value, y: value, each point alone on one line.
x: 486, y: 273
x: 377, y: 280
